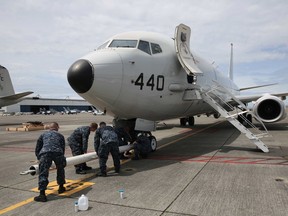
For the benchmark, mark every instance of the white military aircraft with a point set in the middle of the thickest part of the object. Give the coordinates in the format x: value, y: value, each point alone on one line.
x: 7, y: 93
x: 68, y: 111
x: 96, y: 111
x: 144, y: 77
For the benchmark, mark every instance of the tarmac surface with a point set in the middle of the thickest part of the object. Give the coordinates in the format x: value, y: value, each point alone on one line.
x: 207, y: 169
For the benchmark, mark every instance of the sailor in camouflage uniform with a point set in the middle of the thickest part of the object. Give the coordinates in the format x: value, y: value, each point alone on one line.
x: 141, y: 147
x: 78, y: 142
x: 106, y: 141
x: 50, y: 147
x: 123, y: 135
x: 124, y: 138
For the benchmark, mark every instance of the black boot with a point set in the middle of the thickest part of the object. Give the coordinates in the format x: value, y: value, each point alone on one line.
x: 101, y: 174
x: 87, y: 168
x: 135, y: 158
x: 123, y: 157
x: 61, y: 189
x: 80, y: 171
x: 42, y: 197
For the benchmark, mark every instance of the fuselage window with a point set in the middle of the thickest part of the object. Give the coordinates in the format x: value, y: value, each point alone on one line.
x: 124, y: 43
x: 156, y: 48
x: 103, y: 45
x: 144, y: 46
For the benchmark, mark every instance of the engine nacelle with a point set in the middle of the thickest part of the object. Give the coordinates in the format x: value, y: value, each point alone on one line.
x: 269, y: 109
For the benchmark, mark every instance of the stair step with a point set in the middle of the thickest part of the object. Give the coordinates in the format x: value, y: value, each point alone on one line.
x: 255, y: 138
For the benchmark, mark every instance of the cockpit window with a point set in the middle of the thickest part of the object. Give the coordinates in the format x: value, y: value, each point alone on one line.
x: 144, y: 46
x: 103, y: 45
x: 124, y: 43
x: 156, y: 48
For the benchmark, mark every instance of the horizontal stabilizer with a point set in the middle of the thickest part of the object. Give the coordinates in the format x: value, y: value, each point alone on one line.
x: 16, y: 96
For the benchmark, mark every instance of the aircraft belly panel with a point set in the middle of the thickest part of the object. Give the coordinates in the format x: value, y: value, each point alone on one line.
x: 151, y: 108
x: 198, y: 107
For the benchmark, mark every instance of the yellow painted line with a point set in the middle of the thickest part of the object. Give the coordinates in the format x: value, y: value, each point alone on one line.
x: 76, y: 188
x: 10, y: 208
x: 72, y: 186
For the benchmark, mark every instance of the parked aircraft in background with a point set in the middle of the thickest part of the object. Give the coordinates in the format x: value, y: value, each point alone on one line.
x: 68, y: 111
x: 44, y: 111
x: 143, y: 77
x: 96, y: 111
x: 7, y: 93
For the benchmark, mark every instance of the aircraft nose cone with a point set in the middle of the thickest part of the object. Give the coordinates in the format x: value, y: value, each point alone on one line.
x: 80, y: 76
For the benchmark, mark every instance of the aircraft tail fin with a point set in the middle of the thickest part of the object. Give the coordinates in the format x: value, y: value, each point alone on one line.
x: 6, y: 87
x: 231, y: 63
x: 7, y: 93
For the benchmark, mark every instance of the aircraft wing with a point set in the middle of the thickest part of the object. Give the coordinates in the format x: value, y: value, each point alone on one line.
x: 259, y: 86
x: 250, y: 98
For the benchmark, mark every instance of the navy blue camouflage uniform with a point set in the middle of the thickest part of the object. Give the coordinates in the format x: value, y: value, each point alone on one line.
x: 50, y: 147
x: 106, y: 141
x: 123, y: 136
x: 78, y: 142
x: 142, y: 146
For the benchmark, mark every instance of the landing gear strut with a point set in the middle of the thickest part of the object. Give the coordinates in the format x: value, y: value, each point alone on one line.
x: 190, y: 120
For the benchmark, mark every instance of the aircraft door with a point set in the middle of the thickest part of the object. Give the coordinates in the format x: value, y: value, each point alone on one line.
x: 182, y: 47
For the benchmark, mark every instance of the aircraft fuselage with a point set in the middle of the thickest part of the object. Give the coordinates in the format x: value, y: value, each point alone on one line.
x: 132, y: 82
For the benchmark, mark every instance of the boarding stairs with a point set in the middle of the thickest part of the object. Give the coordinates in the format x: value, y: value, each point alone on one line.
x: 231, y: 113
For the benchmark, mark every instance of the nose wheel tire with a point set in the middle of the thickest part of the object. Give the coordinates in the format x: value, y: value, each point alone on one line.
x: 153, y: 143
x: 183, y: 121
x: 191, y: 121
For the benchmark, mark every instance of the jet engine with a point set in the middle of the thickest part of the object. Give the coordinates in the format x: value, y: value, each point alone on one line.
x: 269, y: 109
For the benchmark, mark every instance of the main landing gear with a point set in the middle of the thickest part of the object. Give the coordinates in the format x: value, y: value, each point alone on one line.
x: 134, y: 133
x: 245, y: 119
x: 153, y: 141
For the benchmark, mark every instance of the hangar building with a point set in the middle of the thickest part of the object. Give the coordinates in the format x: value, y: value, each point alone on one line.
x: 36, y: 104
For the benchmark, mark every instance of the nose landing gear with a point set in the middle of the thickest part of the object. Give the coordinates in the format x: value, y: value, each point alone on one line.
x: 190, y: 120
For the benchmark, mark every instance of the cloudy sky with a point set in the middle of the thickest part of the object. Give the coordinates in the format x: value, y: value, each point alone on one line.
x: 40, y: 39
